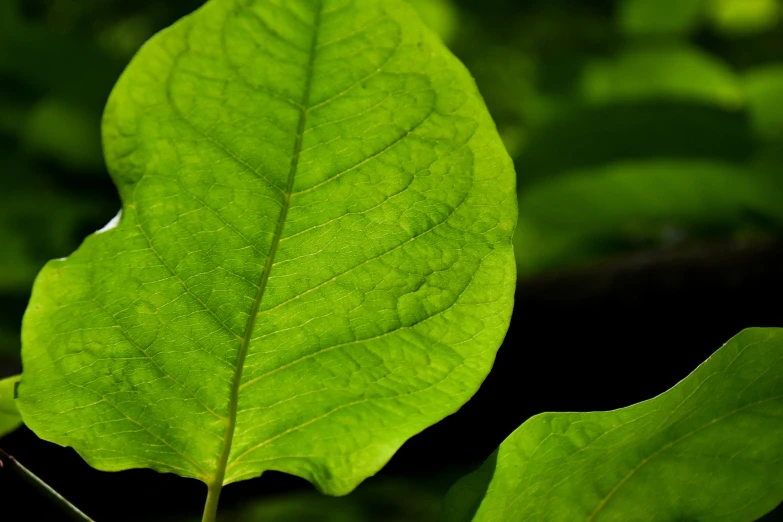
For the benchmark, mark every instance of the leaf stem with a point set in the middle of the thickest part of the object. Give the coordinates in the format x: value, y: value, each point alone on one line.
x: 7, y: 461
x: 213, y: 496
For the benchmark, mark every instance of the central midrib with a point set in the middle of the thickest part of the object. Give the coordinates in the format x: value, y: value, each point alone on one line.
x: 220, y: 471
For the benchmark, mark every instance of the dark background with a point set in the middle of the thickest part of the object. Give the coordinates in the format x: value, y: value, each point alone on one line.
x: 647, y: 137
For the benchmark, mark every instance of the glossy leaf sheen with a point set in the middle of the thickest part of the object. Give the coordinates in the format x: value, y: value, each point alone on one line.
x: 314, y: 256
x: 709, y: 449
x: 9, y: 415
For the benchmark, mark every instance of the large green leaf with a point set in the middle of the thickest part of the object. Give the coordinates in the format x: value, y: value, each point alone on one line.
x: 9, y: 415
x: 63, y: 131
x: 441, y: 16
x: 314, y: 257
x: 709, y: 449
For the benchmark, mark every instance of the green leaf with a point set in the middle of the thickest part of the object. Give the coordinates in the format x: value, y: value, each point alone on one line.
x: 314, y: 258
x: 674, y: 72
x: 9, y: 415
x: 63, y: 131
x: 709, y: 449
x: 764, y: 93
x: 742, y: 17
x: 440, y: 15
x: 654, y: 17
x: 585, y: 214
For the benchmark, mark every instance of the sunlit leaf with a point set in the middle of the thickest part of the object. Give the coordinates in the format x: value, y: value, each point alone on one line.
x: 440, y: 15
x: 9, y: 415
x: 740, y: 17
x: 314, y: 257
x: 708, y: 449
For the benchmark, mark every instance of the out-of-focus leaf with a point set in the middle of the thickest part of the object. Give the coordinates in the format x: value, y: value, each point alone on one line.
x: 644, y: 17
x: 573, y: 218
x: 65, y: 132
x: 13, y: 113
x: 9, y: 15
x: 9, y: 415
x: 709, y: 449
x: 599, y: 135
x: 673, y: 72
x: 506, y: 76
x: 124, y: 37
x: 441, y: 16
x: 378, y: 501
x: 764, y: 94
x: 64, y: 66
x: 37, y: 222
x: 741, y: 17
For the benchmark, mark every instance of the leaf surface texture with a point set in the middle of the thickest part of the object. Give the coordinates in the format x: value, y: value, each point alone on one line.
x: 313, y: 261
x: 709, y: 449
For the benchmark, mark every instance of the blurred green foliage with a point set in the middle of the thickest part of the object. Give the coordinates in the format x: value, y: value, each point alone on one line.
x: 634, y: 124
x: 385, y: 500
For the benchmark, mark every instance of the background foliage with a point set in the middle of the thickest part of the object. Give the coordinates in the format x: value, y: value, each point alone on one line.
x: 648, y: 140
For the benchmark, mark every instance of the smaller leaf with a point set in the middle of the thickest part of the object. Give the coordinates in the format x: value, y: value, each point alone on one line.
x: 570, y: 219
x: 65, y: 132
x: 645, y: 17
x: 672, y: 72
x: 708, y: 449
x: 9, y: 415
x: 743, y: 17
x: 764, y: 92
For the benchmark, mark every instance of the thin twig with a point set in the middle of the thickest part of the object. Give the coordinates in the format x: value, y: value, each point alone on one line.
x: 8, y: 462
